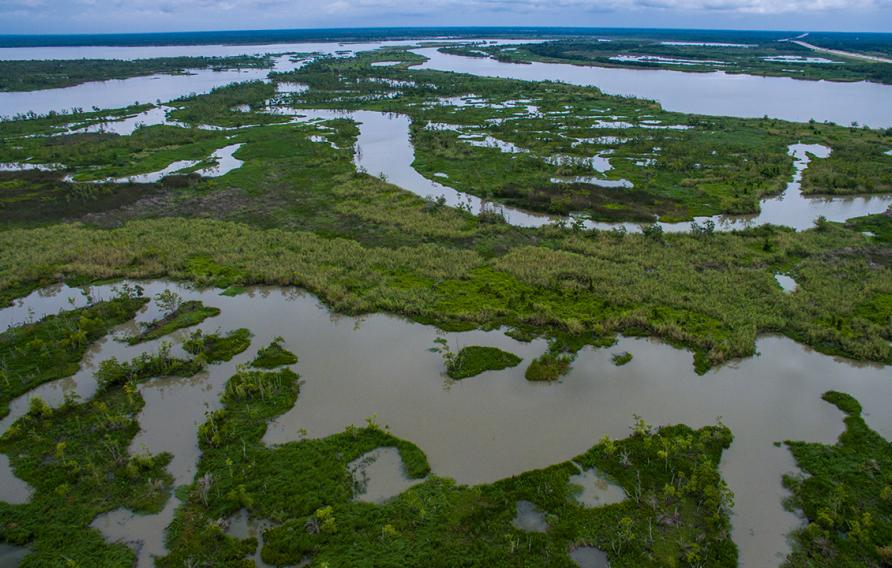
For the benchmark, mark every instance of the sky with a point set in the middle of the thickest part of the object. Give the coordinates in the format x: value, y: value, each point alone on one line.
x: 122, y: 16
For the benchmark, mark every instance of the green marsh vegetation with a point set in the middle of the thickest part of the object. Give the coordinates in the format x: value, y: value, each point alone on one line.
x: 752, y: 58
x: 221, y: 106
x: 620, y: 359
x: 475, y: 359
x: 77, y: 460
x: 216, y: 347
x: 845, y: 494
x: 680, y: 165
x: 297, y: 213
x: 676, y: 513
x: 52, y: 348
x: 274, y: 355
x: 33, y: 75
x: 713, y: 293
x: 549, y: 367
x: 177, y: 315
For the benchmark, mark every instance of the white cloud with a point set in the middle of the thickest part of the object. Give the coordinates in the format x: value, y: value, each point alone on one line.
x: 162, y: 15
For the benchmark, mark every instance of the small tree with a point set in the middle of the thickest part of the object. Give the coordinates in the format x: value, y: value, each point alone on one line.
x: 168, y: 301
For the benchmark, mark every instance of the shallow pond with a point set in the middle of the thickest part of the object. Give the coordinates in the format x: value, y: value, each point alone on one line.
x: 480, y: 430
x: 596, y: 489
x: 379, y: 475
x: 589, y: 557
x: 529, y: 518
x: 242, y: 526
x: 11, y: 556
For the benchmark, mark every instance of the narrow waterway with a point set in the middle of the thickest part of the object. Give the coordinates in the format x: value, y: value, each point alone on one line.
x: 384, y: 147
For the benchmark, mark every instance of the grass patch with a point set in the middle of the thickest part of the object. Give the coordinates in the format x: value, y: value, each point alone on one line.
x: 215, y: 347
x: 845, y: 494
x: 548, y: 367
x: 52, y: 348
x: 473, y: 360
x: 274, y: 355
x: 186, y: 314
x: 620, y: 359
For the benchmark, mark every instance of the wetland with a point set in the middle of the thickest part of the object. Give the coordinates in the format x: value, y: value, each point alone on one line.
x: 407, y: 303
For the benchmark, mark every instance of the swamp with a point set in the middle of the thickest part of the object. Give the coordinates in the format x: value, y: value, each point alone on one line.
x: 446, y: 301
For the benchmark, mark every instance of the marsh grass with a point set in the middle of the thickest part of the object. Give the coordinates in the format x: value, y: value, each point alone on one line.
x: 52, y: 348
x: 186, y: 314
x: 274, y: 355
x: 216, y: 347
x: 472, y: 360
x: 77, y: 459
x: 845, y: 493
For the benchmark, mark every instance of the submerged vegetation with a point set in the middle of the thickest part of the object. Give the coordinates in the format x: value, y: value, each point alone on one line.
x: 845, y: 494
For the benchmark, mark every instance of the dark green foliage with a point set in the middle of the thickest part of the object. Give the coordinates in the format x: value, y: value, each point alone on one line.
x: 289, y: 481
x: 846, y: 495
x: 620, y: 359
x: 76, y: 459
x: 214, y: 347
x: 111, y: 372
x: 32, y: 75
x: 36, y: 353
x: 880, y: 225
x: 274, y: 355
x: 475, y: 359
x: 217, y: 107
x: 549, y: 367
x: 186, y: 314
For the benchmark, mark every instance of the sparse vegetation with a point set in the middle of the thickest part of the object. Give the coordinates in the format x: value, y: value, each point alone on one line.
x: 176, y: 316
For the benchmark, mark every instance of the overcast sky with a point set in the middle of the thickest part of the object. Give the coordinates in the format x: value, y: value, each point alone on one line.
x: 86, y: 16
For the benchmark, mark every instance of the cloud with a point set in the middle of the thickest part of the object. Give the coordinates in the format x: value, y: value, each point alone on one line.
x: 44, y: 16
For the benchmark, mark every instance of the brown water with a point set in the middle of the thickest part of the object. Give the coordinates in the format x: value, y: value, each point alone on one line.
x: 529, y: 518
x: 242, y: 526
x: 596, y: 489
x: 589, y: 557
x: 13, y: 490
x: 497, y: 424
x: 379, y: 475
x: 11, y: 556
